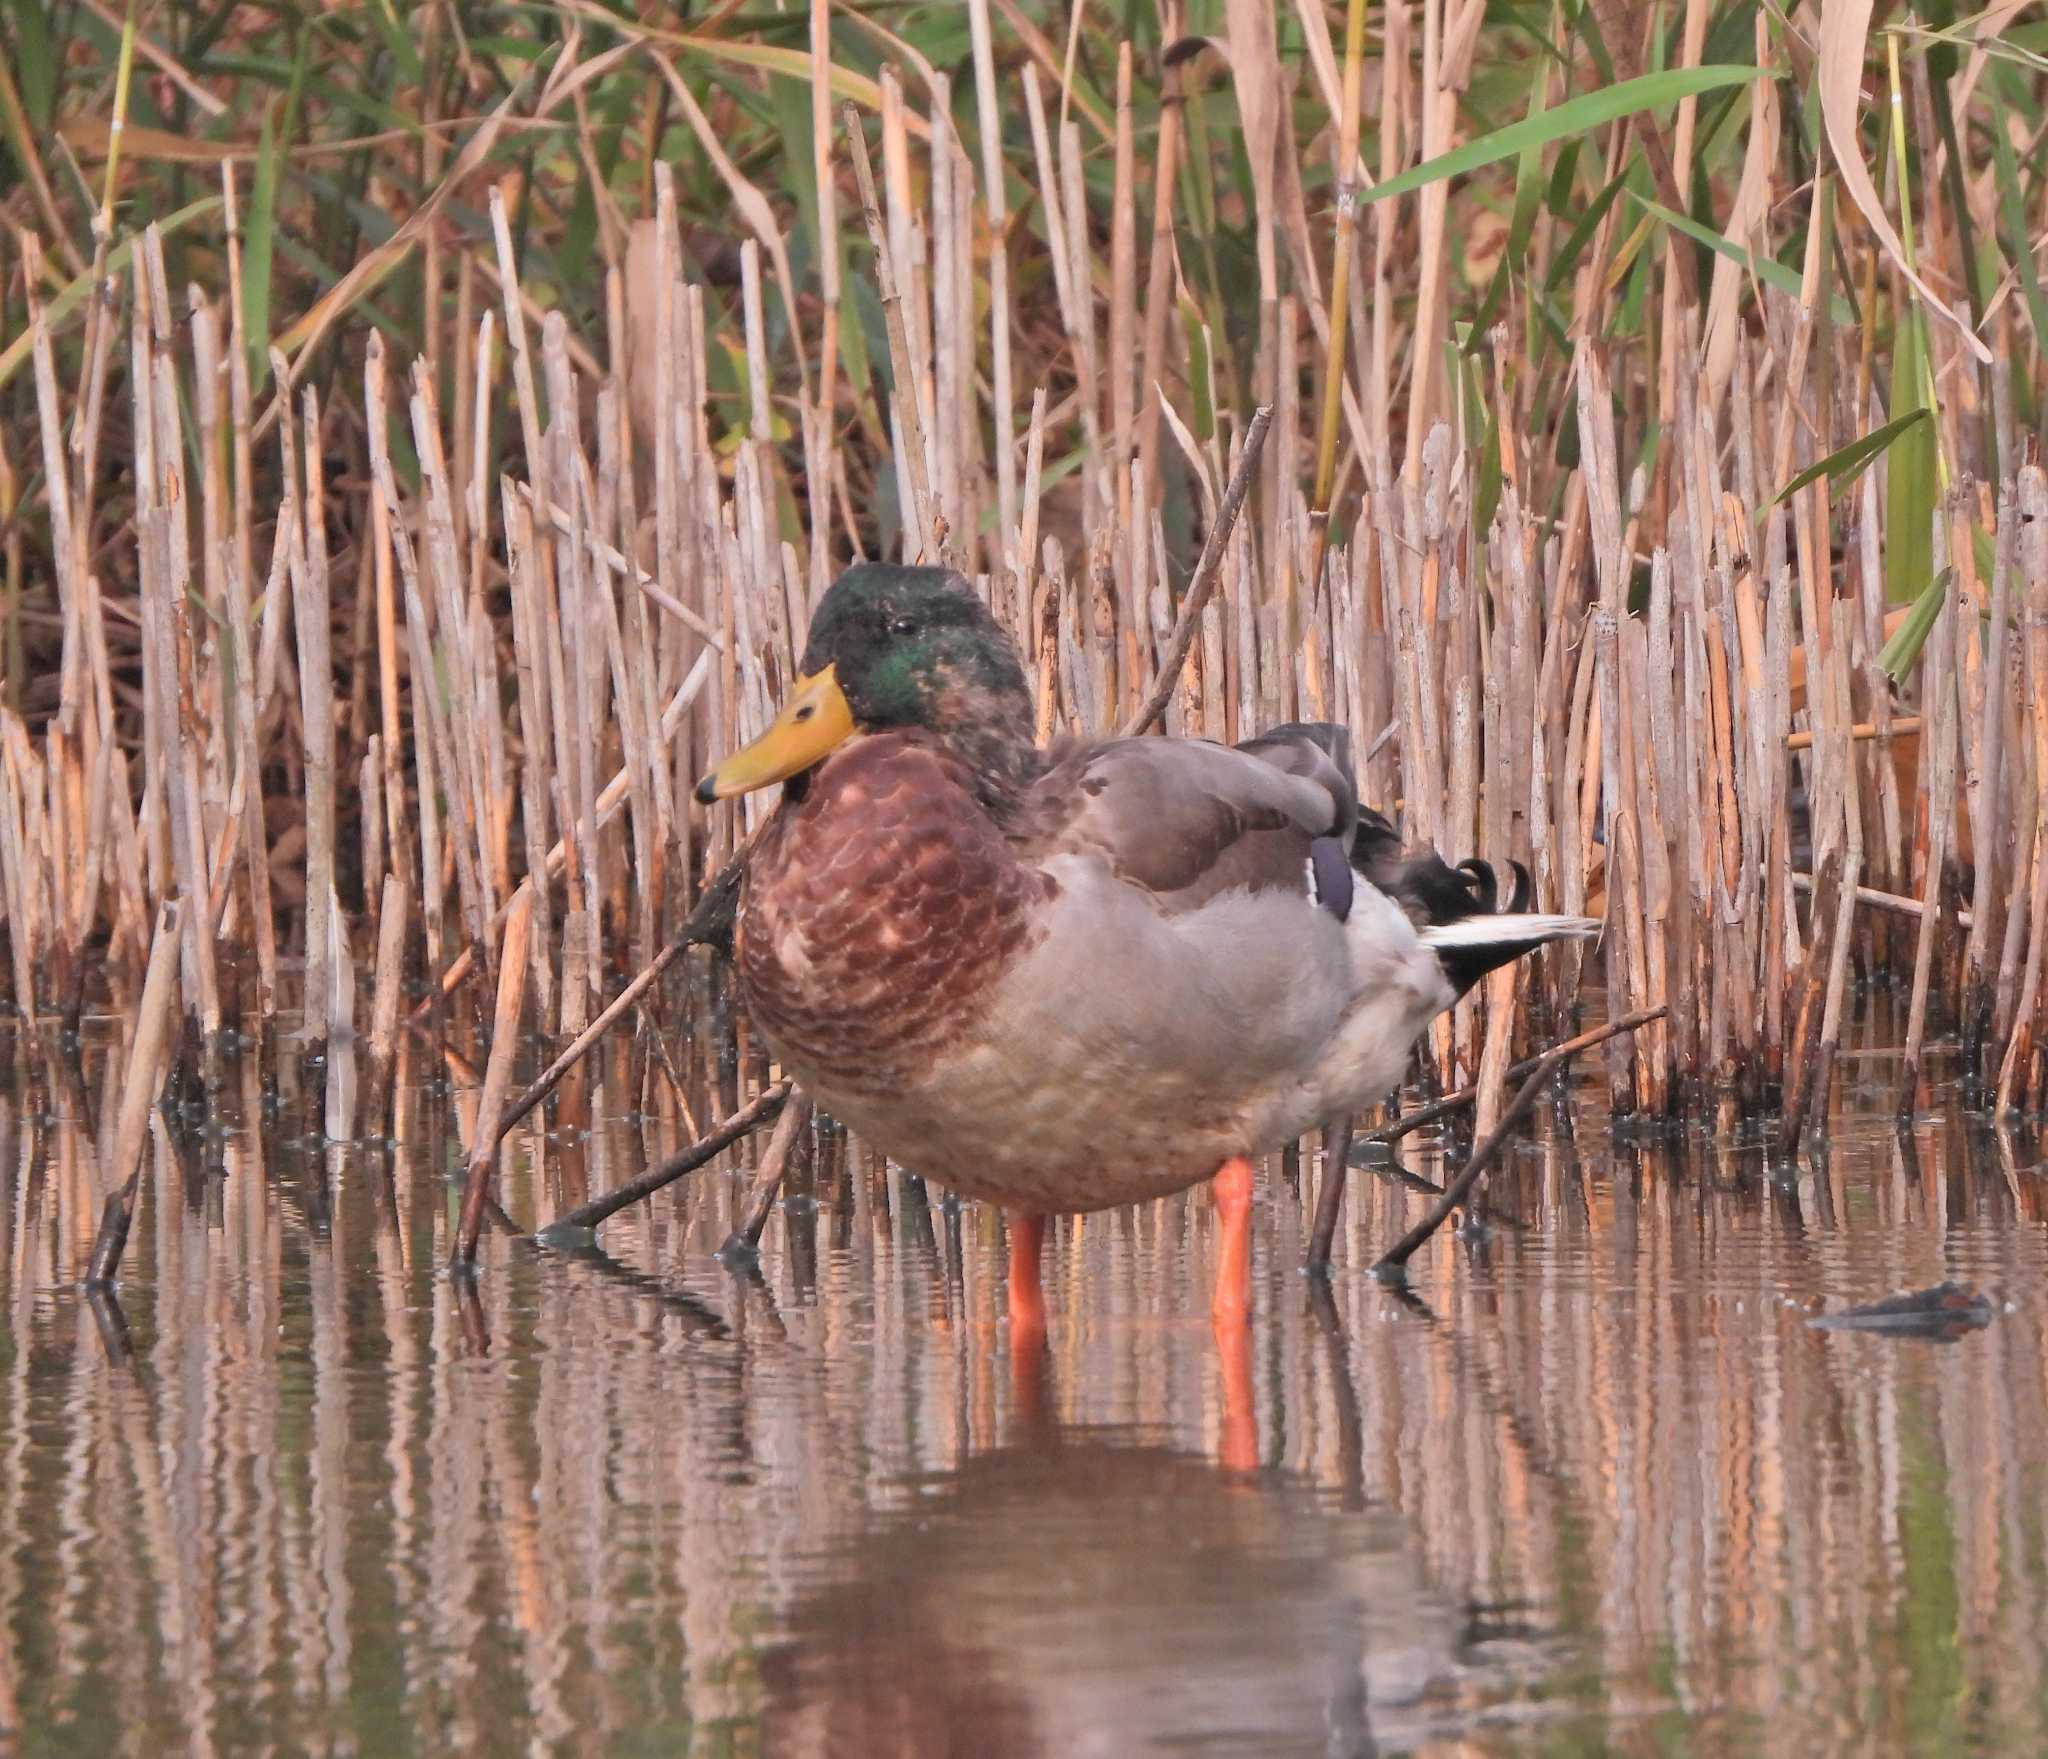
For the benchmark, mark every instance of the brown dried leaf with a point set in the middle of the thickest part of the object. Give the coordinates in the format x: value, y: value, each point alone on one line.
x: 1844, y: 37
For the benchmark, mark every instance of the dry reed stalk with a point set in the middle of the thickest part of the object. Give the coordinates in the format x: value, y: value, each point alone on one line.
x: 239, y: 646
x: 1627, y: 955
x: 1988, y: 776
x: 1096, y: 505
x: 1348, y: 109
x: 568, y: 644
x: 1121, y: 364
x: 2027, y: 1024
x: 1941, y: 680
x: 904, y: 400
x: 427, y: 738
x: 1439, y: 82
x: 1653, y: 664
x: 512, y: 971
x: 460, y: 665
x: 165, y: 587
x: 65, y: 555
x: 121, y: 1169
x: 820, y: 450
x: 609, y: 802
x: 639, y: 761
x: 20, y: 883
x: 1204, y: 581
x: 393, y: 911
x: 1809, y: 1083
x: 522, y: 567
x: 1161, y: 269
x: 311, y: 615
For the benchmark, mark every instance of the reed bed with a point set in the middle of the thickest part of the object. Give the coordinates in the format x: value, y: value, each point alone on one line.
x: 1649, y: 490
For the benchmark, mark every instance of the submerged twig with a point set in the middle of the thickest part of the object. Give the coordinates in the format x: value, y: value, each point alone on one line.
x: 745, y: 1240
x: 1393, y: 1262
x: 748, y: 1118
x: 1464, y: 1096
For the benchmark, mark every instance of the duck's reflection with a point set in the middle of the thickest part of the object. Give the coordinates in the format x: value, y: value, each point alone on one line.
x: 1089, y: 1591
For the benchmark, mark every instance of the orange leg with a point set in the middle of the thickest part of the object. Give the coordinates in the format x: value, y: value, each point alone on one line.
x: 1027, y: 1297
x: 1230, y: 1311
x: 1231, y: 1190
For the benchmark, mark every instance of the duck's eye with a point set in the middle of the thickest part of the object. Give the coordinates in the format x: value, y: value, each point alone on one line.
x: 806, y: 712
x: 902, y: 626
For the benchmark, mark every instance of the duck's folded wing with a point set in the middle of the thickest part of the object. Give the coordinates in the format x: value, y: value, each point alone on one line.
x: 1185, y: 820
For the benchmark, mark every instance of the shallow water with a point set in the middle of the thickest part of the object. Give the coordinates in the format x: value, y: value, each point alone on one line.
x: 1595, y: 1485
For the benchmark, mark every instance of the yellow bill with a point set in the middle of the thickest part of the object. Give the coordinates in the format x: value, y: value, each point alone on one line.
x: 813, y: 720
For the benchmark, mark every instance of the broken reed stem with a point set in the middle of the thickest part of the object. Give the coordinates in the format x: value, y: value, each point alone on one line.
x: 1898, y: 727
x: 745, y: 1239
x: 1877, y: 900
x: 1203, y: 584
x: 711, y: 920
x: 122, y: 1171
x: 743, y: 1122
x: 512, y: 972
x: 393, y: 918
x: 1464, y: 1096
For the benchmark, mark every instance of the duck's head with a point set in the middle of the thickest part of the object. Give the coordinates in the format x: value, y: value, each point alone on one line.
x: 890, y: 649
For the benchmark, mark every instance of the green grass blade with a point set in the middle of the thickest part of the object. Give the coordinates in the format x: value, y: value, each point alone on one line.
x: 258, y: 233
x: 1569, y: 252
x: 35, y: 60
x: 1843, y: 467
x: 1768, y: 270
x: 1911, y: 483
x: 1902, y: 652
x: 1574, y: 117
x: 2012, y: 217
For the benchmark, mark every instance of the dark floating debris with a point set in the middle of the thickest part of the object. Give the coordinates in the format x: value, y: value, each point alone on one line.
x: 1944, y: 1312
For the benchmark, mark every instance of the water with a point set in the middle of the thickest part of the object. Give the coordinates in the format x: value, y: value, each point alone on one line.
x: 1596, y: 1486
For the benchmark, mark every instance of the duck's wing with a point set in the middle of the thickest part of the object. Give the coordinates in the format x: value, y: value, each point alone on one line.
x: 1184, y: 820
x: 1457, y: 910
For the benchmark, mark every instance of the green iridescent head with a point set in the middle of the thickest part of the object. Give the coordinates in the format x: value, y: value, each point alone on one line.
x: 890, y: 649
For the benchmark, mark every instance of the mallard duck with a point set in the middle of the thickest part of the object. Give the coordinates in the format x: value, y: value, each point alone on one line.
x: 1070, y: 979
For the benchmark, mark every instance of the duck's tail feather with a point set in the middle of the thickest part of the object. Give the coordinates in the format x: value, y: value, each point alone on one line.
x: 1473, y: 945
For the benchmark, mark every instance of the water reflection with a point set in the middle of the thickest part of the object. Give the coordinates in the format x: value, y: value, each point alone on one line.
x: 1596, y: 1484
x: 1081, y: 1592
